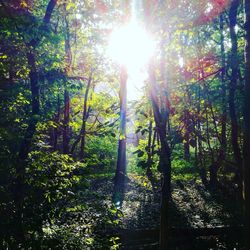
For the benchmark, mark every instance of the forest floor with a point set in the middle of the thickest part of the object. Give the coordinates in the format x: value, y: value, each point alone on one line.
x: 192, y: 206
x: 135, y: 224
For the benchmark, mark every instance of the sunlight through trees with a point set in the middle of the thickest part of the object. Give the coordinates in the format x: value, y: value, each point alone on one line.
x: 124, y: 124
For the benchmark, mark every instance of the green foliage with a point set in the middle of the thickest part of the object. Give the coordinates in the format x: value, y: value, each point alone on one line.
x: 49, y: 183
x: 101, y: 153
x: 82, y: 224
x: 180, y: 166
x: 192, y: 85
x: 52, y: 174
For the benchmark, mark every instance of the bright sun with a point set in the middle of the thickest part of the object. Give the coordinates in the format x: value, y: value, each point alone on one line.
x: 132, y: 47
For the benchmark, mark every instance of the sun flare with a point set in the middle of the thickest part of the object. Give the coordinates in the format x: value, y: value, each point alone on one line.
x: 131, y: 46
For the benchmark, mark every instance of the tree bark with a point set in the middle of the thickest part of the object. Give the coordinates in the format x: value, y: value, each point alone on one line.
x: 68, y: 58
x: 186, y: 136
x: 224, y: 91
x: 57, y: 119
x: 200, y: 160
x: 27, y: 140
x: 165, y: 161
x: 121, y: 157
x: 149, y: 150
x: 25, y: 147
x: 66, y: 122
x: 149, y: 153
x: 84, y: 119
x: 232, y: 87
x: 246, y: 159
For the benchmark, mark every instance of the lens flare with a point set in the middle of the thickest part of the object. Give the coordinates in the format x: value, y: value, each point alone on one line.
x: 131, y: 46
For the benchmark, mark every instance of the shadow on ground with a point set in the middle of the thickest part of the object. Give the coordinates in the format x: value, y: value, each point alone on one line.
x: 193, y: 208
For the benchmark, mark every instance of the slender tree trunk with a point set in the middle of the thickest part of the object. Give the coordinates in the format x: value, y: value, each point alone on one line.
x: 85, y: 112
x: 165, y: 164
x: 83, y: 136
x: 34, y: 84
x: 149, y: 153
x: 30, y: 131
x: 186, y: 136
x: 149, y: 156
x: 208, y: 135
x: 54, y: 129
x: 149, y: 146
x: 68, y: 59
x: 232, y: 88
x: 25, y: 146
x: 153, y: 143
x: 186, y: 148
x: 66, y: 122
x: 84, y: 119
x: 203, y: 173
x: 196, y: 144
x: 121, y: 156
x: 214, y: 167
x: 165, y: 161
x: 55, y: 132
x: 246, y: 160
x: 224, y: 91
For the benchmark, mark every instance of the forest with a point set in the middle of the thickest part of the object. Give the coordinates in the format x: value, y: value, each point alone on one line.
x: 125, y: 124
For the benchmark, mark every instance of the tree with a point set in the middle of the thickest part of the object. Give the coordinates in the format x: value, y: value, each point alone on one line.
x: 246, y: 159
x: 121, y: 157
x: 232, y: 87
x: 161, y: 119
x: 68, y: 65
x: 26, y: 143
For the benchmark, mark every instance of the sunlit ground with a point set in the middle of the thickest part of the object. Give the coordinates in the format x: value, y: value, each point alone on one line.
x: 132, y: 47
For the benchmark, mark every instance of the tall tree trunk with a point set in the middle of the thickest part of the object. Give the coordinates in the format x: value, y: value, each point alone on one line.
x: 35, y: 105
x: 84, y: 119
x: 213, y: 168
x: 25, y: 145
x: 165, y: 161
x: 196, y: 144
x: 31, y: 129
x: 186, y: 136
x: 121, y: 157
x: 165, y: 164
x: 208, y: 135
x: 149, y: 172
x: 68, y: 59
x: 223, y: 148
x: 246, y: 160
x: 55, y: 130
x: 149, y: 146
x: 203, y: 172
x: 66, y: 122
x: 85, y: 116
x: 186, y: 148
x: 232, y: 87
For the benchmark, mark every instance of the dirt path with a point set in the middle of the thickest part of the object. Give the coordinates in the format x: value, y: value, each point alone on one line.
x: 192, y: 207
